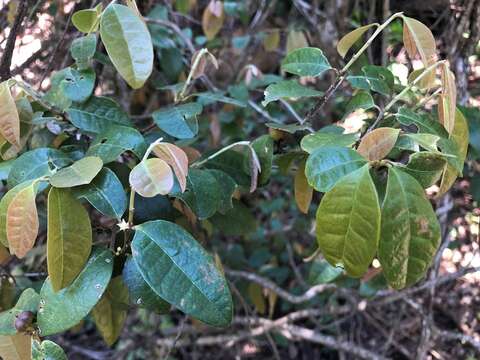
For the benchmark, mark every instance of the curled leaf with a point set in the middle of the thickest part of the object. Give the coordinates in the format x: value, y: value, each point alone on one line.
x: 176, y: 158
x: 448, y: 99
x: 213, y: 18
x: 151, y: 177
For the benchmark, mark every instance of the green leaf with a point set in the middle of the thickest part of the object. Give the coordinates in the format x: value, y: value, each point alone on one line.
x: 83, y: 50
x: 56, y: 95
x: 62, y: 310
x: 238, y: 221
x: 78, y: 85
x: 97, y: 115
x: 69, y: 237
x: 348, y: 223
x: 410, y: 231
x: 35, y: 164
x: 290, y: 128
x: 208, y: 97
x: 81, y: 172
x: 328, y: 164
x: 151, y: 177
x: 321, y: 272
x: 347, y: 41
x: 180, y: 271
x: 47, y: 350
x: 128, y: 43
x: 263, y: 147
x: 202, y: 195
x: 111, y: 311
x: 459, y: 137
x: 28, y: 301
x: 86, y: 20
x: 114, y: 141
x: 427, y: 141
x: 308, y: 61
x: 4, y: 204
x: 140, y: 292
x: 375, y: 78
x: 426, y: 167
x: 179, y: 121
x: 227, y: 187
x: 320, y: 139
x: 287, y: 89
x: 105, y: 193
x: 361, y: 100
x: 424, y: 124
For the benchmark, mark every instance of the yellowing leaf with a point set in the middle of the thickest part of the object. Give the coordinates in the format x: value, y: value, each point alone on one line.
x: 81, y: 172
x: 460, y: 135
x: 176, y: 158
x: 296, y: 40
x: 9, y: 118
x: 303, y: 191
x: 111, y: 311
x: 16, y: 347
x: 86, y: 20
x: 417, y: 38
x: 151, y: 177
x: 256, y: 296
x: 347, y: 41
x: 128, y: 44
x: 69, y: 237
x: 213, y: 18
x: 448, y: 99
x: 272, y: 40
x: 22, y: 221
x: 378, y: 143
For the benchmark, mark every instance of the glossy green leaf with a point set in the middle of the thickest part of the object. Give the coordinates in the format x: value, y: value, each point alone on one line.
x: 361, y: 100
x: 105, y: 193
x: 287, y: 89
x: 410, y: 231
x: 35, y: 164
x: 128, y: 43
x: 47, y: 350
x: 375, y: 78
x: 56, y: 95
x: 424, y: 124
x: 348, y: 223
x: 83, y: 50
x: 203, y: 193
x: 308, y: 61
x: 347, y: 41
x: 227, y: 187
x: 459, y: 136
x: 321, y: 272
x: 141, y: 294
x: 97, y: 115
x: 427, y: 141
x: 151, y: 177
x: 69, y: 237
x: 314, y: 141
x: 62, y: 310
x: 81, y: 172
x: 179, y: 121
x: 426, y: 167
x: 28, y: 301
x: 111, y: 311
x: 180, y: 271
x: 328, y: 164
x: 78, y: 85
x: 113, y: 142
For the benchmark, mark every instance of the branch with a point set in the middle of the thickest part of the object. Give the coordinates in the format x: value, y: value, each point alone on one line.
x: 6, y: 61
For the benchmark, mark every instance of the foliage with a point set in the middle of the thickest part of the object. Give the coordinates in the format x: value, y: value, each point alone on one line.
x: 372, y: 179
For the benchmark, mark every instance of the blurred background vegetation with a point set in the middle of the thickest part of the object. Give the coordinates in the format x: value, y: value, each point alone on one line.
x: 266, y: 235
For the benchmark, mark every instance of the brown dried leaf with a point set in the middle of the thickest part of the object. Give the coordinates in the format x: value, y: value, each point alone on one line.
x: 9, y: 118
x: 378, y: 143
